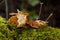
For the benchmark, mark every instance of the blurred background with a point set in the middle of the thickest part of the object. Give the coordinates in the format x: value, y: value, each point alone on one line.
x: 45, y: 7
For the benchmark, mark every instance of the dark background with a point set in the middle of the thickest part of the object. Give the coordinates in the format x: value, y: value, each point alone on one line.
x: 48, y: 7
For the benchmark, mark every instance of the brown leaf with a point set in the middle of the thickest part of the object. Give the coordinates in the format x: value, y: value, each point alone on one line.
x: 13, y: 20
x: 33, y: 24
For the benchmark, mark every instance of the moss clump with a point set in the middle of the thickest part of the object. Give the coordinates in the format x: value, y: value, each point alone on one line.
x: 43, y: 33
x: 5, y: 32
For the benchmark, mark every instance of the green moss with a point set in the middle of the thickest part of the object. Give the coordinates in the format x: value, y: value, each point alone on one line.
x: 42, y: 33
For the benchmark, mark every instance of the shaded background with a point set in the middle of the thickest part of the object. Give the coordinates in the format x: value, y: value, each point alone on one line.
x: 49, y: 6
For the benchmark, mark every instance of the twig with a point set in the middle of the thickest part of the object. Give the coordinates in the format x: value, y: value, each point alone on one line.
x: 18, y: 10
x: 14, y: 13
x: 40, y: 9
x: 6, y: 9
x: 49, y: 17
